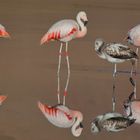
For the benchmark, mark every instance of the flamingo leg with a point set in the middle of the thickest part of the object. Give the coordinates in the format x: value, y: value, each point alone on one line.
x: 68, y: 76
x: 113, y: 93
x: 58, y: 73
x: 136, y: 68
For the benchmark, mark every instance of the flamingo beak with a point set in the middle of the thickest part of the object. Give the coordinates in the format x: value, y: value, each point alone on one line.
x: 127, y: 38
x: 4, y: 34
x: 85, y: 23
x: 81, y: 125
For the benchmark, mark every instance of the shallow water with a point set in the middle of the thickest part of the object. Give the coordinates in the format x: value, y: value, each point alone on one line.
x: 28, y: 71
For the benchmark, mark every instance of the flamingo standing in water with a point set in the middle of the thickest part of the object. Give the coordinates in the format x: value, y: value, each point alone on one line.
x: 64, y: 31
x: 133, y: 37
x: 62, y: 116
x: 114, y: 53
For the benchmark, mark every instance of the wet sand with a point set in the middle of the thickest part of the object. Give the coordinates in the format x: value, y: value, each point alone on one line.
x: 28, y: 71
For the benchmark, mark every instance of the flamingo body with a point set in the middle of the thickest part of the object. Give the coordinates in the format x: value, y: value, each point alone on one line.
x: 3, y: 32
x: 62, y: 116
x: 114, y: 52
x: 64, y: 30
x: 113, y: 122
x: 2, y: 99
x: 67, y: 29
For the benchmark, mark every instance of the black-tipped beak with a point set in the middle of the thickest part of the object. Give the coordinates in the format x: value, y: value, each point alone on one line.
x: 128, y: 38
x: 125, y: 106
x: 81, y: 125
x: 85, y: 22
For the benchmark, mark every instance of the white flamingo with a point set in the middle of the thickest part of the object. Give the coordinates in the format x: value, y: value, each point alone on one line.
x: 62, y: 116
x: 133, y: 37
x: 112, y: 122
x: 132, y: 108
x: 3, y: 32
x: 64, y: 31
x: 114, y: 53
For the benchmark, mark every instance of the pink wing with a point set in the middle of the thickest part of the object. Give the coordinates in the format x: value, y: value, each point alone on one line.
x: 52, y: 111
x: 60, y: 30
x: 2, y: 99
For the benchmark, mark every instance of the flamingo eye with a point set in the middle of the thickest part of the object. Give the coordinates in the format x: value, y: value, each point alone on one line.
x: 97, y: 43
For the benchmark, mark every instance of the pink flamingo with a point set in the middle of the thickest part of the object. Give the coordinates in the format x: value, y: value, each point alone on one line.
x: 64, y: 31
x: 133, y: 37
x: 62, y: 116
x: 3, y: 32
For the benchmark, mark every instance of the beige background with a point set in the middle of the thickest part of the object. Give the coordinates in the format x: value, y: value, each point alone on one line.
x: 28, y: 71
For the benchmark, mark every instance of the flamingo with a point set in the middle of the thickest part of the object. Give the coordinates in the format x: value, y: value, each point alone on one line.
x: 2, y: 99
x: 62, y: 116
x: 112, y: 122
x: 132, y: 108
x: 3, y: 32
x: 133, y: 37
x: 114, y: 53
x: 64, y: 31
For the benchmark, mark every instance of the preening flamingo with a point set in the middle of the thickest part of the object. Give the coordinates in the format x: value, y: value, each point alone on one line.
x: 64, y: 31
x: 112, y: 122
x: 62, y: 116
x: 114, y: 53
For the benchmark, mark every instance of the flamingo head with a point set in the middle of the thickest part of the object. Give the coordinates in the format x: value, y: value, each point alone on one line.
x: 3, y: 32
x: 128, y: 39
x: 98, y: 44
x: 82, y: 17
x: 77, y: 127
x: 95, y: 125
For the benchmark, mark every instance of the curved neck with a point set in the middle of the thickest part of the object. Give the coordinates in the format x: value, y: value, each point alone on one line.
x: 76, y: 129
x: 82, y: 28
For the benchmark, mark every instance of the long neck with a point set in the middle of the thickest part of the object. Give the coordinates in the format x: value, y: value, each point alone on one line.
x: 76, y: 129
x: 100, y: 51
x: 82, y: 28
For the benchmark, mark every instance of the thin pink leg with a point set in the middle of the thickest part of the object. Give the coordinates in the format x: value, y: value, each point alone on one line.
x: 58, y: 73
x: 68, y: 76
